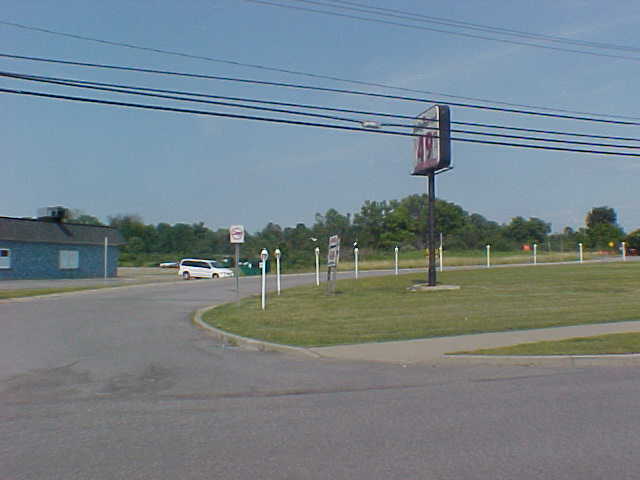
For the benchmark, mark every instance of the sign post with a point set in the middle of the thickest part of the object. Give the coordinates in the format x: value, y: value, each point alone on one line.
x: 432, y: 156
x: 624, y: 252
x: 263, y: 263
x: 488, y: 256
x: 535, y: 253
x: 278, y: 253
x: 317, y: 250
x: 236, y: 237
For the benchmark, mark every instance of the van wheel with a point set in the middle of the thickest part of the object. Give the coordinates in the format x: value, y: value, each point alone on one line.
x: 215, y: 275
x: 186, y: 275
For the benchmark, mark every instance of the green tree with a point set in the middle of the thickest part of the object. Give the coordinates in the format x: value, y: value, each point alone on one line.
x: 78, y: 216
x: 602, y: 228
x: 601, y: 215
x: 633, y: 239
x: 523, y: 231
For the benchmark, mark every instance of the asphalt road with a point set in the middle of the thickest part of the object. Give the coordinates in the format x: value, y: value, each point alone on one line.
x: 118, y: 384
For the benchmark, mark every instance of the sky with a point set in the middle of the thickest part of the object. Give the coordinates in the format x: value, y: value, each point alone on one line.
x: 175, y: 167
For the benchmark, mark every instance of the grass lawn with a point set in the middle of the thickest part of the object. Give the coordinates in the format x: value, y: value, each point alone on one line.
x: 417, y: 259
x: 616, y: 343
x: 31, y: 292
x: 490, y: 300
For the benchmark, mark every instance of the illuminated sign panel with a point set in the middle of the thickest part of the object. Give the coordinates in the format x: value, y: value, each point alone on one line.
x: 432, y: 150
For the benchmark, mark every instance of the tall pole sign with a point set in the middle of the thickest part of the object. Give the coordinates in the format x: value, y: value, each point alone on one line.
x: 236, y: 237
x: 432, y: 156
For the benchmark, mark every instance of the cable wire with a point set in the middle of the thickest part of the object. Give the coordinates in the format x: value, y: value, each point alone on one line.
x: 135, y: 90
x: 320, y: 89
x: 418, y: 17
x: 331, y: 109
x: 297, y: 72
x: 300, y: 123
x: 439, y: 30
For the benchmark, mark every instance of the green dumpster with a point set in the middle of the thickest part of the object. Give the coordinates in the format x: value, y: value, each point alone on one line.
x: 252, y: 267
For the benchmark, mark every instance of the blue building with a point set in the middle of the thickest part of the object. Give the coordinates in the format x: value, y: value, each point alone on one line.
x: 50, y: 248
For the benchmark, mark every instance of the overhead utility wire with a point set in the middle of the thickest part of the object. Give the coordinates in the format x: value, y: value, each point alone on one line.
x: 418, y: 17
x: 320, y: 89
x: 141, y: 91
x: 296, y: 72
x: 297, y: 122
x: 316, y: 107
x: 439, y: 30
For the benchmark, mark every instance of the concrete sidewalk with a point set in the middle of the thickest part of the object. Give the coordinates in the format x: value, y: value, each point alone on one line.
x: 435, y: 350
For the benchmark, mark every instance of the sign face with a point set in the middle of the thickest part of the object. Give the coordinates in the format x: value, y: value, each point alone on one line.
x: 236, y: 233
x: 432, y: 150
x: 333, y: 257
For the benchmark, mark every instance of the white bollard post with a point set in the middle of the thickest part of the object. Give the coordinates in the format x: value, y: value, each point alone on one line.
x: 317, y: 250
x: 396, y: 258
x: 624, y: 252
x: 535, y: 253
x: 355, y: 258
x: 488, y: 256
x: 263, y: 256
x: 441, y: 258
x: 580, y: 252
x: 278, y: 253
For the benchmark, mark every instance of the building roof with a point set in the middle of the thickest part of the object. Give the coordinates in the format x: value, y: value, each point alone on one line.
x: 28, y: 230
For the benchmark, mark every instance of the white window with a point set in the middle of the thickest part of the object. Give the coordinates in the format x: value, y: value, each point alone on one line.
x: 69, y: 259
x: 5, y: 258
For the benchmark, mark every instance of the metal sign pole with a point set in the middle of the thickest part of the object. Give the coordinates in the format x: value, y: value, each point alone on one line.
x: 237, y: 245
x: 431, y: 235
x: 236, y: 236
x: 317, y: 251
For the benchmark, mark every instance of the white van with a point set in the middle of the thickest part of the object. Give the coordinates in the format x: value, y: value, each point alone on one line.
x: 198, y: 268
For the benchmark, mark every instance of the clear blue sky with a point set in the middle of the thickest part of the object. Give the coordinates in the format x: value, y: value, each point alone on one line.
x: 170, y: 167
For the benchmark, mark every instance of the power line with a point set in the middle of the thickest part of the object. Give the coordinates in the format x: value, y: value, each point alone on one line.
x: 418, y: 17
x: 143, y: 91
x: 297, y: 122
x: 295, y: 72
x: 439, y: 30
x: 320, y: 89
x: 324, y: 108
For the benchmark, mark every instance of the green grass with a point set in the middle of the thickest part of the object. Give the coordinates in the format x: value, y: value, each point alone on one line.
x: 460, y: 259
x: 615, y: 343
x: 31, y: 292
x: 490, y: 300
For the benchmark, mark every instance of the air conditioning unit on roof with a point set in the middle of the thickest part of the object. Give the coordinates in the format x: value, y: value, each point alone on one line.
x: 56, y: 214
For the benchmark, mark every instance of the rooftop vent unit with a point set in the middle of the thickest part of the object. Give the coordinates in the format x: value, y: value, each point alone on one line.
x: 52, y: 214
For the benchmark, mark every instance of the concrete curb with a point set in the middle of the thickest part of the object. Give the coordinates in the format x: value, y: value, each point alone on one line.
x: 246, y: 342
x: 565, y: 361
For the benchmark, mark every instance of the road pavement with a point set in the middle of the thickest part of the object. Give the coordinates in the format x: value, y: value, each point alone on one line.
x: 119, y: 384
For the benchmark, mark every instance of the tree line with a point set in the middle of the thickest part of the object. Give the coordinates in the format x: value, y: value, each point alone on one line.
x: 378, y: 226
